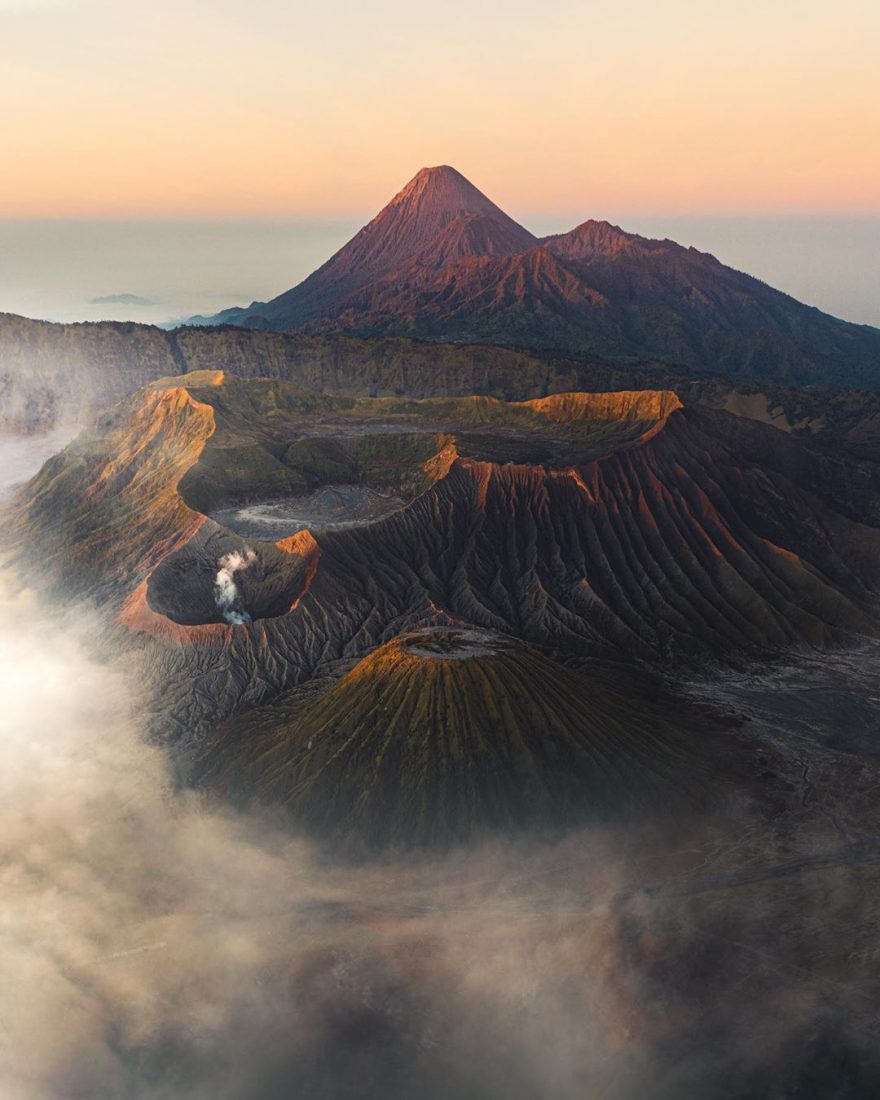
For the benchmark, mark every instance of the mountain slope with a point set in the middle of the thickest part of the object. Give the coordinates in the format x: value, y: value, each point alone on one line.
x: 440, y: 733
x: 442, y: 262
x: 438, y: 218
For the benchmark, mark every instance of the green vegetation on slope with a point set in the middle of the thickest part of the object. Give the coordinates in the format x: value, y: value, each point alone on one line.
x: 439, y: 734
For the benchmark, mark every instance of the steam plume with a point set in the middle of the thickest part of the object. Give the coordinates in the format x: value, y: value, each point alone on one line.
x: 226, y: 594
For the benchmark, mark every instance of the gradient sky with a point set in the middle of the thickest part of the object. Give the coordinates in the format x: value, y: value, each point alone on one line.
x: 272, y: 107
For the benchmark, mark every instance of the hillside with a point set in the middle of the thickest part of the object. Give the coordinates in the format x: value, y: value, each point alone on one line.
x: 442, y: 733
x: 442, y: 262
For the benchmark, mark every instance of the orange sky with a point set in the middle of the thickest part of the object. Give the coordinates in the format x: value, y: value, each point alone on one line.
x: 218, y: 107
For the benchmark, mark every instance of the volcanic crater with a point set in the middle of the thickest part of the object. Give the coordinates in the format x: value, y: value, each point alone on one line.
x: 218, y: 577
x: 617, y: 525
x: 353, y: 464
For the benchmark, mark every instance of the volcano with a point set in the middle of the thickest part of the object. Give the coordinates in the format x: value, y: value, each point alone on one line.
x: 442, y: 262
x: 438, y: 219
x: 616, y: 526
x: 442, y: 733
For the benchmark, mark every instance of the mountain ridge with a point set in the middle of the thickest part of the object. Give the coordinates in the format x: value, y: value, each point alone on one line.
x: 52, y: 375
x: 442, y: 262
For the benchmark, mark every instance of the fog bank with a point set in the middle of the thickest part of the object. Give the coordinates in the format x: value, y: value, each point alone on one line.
x: 153, y: 946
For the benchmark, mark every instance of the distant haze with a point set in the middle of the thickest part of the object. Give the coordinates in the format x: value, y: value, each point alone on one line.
x: 162, y: 271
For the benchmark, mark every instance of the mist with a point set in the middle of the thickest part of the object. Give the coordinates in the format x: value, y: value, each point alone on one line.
x: 160, y: 272
x: 22, y: 456
x: 155, y: 945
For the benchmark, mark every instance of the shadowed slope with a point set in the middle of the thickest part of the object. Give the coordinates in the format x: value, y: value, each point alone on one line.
x: 442, y: 733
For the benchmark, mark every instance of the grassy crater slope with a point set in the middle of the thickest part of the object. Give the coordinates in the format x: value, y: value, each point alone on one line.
x: 440, y: 733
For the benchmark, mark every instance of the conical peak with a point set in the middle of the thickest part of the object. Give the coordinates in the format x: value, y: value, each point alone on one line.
x: 440, y: 171
x: 413, y: 224
x: 442, y: 190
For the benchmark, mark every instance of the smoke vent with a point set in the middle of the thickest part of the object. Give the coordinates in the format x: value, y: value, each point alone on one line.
x: 219, y: 578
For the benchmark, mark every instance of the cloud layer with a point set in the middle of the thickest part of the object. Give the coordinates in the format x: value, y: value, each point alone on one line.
x: 153, y: 946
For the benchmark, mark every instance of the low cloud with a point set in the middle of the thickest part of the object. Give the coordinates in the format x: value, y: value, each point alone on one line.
x: 153, y: 945
x: 121, y: 299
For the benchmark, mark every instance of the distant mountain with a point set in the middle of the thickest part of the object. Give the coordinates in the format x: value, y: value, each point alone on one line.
x: 438, y: 219
x: 443, y: 262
